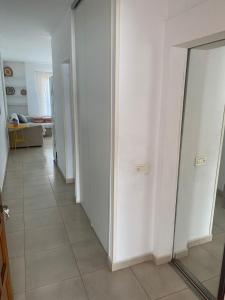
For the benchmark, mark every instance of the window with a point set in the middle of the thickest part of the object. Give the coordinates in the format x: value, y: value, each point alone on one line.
x: 43, y: 93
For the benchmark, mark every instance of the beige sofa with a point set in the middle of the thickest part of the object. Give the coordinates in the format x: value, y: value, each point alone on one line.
x: 33, y: 136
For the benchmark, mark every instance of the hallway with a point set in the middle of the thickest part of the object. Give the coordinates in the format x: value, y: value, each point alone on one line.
x: 54, y: 254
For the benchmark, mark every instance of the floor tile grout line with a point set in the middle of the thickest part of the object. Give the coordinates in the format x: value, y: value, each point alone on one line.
x: 175, y: 293
x: 61, y: 225
x: 211, y: 278
x: 81, y: 276
x: 139, y: 283
x: 30, y: 252
x: 159, y: 298
x: 25, y: 252
x: 23, y: 213
x: 78, y: 268
x: 17, y: 256
x: 209, y: 252
x: 40, y: 209
x: 25, y: 260
x: 53, y: 226
x: 54, y: 283
x: 94, y: 271
x: 71, y: 247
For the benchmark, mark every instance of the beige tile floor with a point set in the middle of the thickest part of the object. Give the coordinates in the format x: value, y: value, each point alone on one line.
x: 205, y: 261
x: 54, y: 253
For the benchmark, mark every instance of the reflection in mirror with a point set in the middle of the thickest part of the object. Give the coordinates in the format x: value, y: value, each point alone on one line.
x: 200, y: 218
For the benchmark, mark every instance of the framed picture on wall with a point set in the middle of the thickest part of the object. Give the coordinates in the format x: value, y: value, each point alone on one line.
x: 23, y: 92
x: 8, y: 72
x: 10, y: 90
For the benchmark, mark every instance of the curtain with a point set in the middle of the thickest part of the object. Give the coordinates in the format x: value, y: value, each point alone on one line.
x: 43, y: 93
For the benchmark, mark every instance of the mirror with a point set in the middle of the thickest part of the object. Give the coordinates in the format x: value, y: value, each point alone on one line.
x: 200, y: 217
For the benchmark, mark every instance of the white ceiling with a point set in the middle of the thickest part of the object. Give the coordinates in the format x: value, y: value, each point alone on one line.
x: 26, y: 27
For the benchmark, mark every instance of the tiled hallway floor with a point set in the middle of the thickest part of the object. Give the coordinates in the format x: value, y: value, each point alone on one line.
x: 54, y: 254
x: 205, y: 261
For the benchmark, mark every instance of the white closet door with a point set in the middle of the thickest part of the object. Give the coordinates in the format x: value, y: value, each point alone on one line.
x: 93, y: 56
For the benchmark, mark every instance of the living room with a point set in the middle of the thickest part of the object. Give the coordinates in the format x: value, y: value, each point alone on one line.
x: 28, y: 88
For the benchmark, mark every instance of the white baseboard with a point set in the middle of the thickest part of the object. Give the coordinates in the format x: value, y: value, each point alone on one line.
x: 200, y: 241
x: 161, y: 260
x: 193, y: 243
x: 69, y: 180
x: 220, y: 193
x: 130, y: 262
x: 138, y: 260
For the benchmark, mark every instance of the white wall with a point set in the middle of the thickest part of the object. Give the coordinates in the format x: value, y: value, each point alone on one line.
x: 3, y: 129
x: 140, y: 71
x: 32, y: 95
x: 202, y: 132
x: 177, y: 7
x: 93, y: 49
x: 61, y: 54
x: 16, y: 102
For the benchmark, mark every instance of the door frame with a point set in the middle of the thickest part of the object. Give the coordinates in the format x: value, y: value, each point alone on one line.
x: 192, y: 28
x: 185, y: 273
x: 73, y: 66
x: 221, y: 293
x: 6, y: 283
x: 69, y: 132
x: 186, y: 30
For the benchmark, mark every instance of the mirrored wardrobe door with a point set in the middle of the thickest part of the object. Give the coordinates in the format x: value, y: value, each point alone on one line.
x: 221, y: 293
x: 200, y: 218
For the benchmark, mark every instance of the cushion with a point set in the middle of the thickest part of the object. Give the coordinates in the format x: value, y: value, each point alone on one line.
x: 22, y: 119
x: 37, y: 120
x: 14, y: 118
x: 29, y: 119
x: 47, y: 119
x: 42, y: 119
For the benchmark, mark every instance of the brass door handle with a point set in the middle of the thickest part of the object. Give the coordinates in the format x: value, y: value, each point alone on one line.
x: 6, y: 211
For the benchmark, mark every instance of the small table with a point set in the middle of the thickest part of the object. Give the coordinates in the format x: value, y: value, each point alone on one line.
x: 18, y: 134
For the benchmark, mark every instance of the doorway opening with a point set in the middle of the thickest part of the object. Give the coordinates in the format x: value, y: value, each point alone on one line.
x: 68, y: 122
x: 200, y: 213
